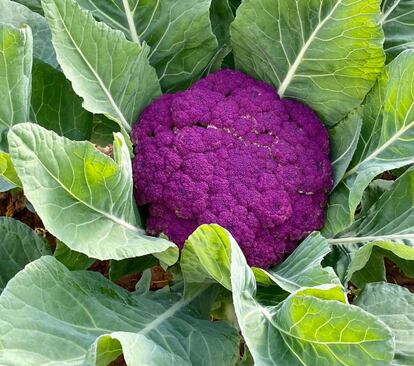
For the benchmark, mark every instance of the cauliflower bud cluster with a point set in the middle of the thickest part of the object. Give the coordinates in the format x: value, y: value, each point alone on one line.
x: 230, y: 151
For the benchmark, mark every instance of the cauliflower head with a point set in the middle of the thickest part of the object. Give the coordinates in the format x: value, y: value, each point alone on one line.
x: 230, y: 151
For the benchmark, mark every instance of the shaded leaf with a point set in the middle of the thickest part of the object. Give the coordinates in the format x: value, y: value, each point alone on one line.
x: 398, y: 24
x: 19, y: 245
x: 18, y: 15
x: 83, y: 318
x: 55, y: 171
x: 178, y: 32
x: 325, y: 53
x: 390, y: 218
x: 394, y: 305
x: 55, y: 105
x: 71, y: 259
x: 129, y: 266
x: 343, y: 140
x: 367, y: 264
x: 111, y: 74
x: 303, y: 267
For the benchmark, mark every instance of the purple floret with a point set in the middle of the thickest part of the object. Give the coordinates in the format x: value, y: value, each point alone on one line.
x: 229, y: 151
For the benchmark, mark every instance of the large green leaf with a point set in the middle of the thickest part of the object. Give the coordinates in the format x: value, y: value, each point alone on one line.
x: 326, y: 53
x: 303, y: 267
x: 81, y: 318
x: 56, y: 107
x: 386, y: 140
x: 398, y: 23
x: 306, y: 327
x: 344, y: 140
x: 367, y: 264
x: 83, y: 196
x: 19, y: 245
x: 311, y: 324
x: 18, y: 15
x: 178, y: 31
x: 110, y: 73
x: 394, y: 305
x: 15, y: 76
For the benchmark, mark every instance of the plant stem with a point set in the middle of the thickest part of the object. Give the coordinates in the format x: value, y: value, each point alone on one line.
x: 361, y: 239
x: 131, y: 24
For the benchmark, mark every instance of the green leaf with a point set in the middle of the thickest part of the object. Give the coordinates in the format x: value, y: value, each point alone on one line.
x: 83, y: 197
x: 368, y: 262
x: 206, y: 258
x: 126, y: 267
x: 344, y: 139
x: 386, y: 140
x: 394, y: 305
x: 310, y: 324
x: 19, y: 245
x: 372, y: 194
x: 111, y: 74
x: 15, y: 76
x: 221, y: 16
x: 303, y: 267
x: 71, y: 259
x: 178, y: 32
x: 34, y: 5
x: 103, y: 130
x: 56, y: 107
x: 325, y: 53
x: 398, y: 24
x: 390, y: 218
x: 8, y: 175
x: 307, y: 326
x: 18, y: 15
x: 81, y: 318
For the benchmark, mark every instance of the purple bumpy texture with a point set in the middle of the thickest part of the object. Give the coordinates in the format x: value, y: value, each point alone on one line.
x: 229, y: 151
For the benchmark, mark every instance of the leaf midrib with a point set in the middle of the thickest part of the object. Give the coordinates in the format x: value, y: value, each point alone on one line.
x: 299, y: 58
x: 112, y: 218
x: 111, y: 100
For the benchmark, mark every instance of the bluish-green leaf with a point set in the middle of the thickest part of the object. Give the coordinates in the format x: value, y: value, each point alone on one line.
x: 71, y: 259
x: 19, y: 245
x: 303, y: 267
x: 110, y: 73
x: 16, y: 47
x: 81, y: 318
x: 398, y: 23
x: 386, y: 142
x: 325, y: 53
x: 311, y: 324
x: 55, y: 105
x: 178, y: 32
x: 83, y: 197
x: 394, y: 305
x: 367, y: 264
x: 343, y: 140
x: 18, y: 15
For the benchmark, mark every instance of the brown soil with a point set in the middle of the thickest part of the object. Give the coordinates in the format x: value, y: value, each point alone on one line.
x: 395, y: 275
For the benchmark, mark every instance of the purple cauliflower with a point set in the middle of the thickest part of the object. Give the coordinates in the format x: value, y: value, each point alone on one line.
x: 229, y: 151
